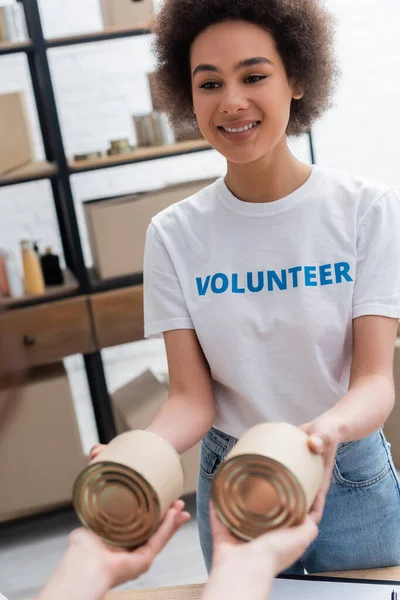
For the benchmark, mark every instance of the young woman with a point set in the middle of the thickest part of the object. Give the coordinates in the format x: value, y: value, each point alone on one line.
x: 277, y: 289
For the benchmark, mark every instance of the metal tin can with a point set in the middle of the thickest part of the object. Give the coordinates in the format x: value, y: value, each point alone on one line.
x: 163, y: 132
x: 121, y: 146
x: 270, y: 479
x: 124, y: 493
x: 144, y: 130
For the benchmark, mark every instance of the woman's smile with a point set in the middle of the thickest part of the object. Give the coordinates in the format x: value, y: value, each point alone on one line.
x: 239, y: 131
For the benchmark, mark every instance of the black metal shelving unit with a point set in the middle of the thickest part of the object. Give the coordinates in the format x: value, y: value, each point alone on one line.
x: 6, y: 48
x: 58, y: 171
x: 101, y: 36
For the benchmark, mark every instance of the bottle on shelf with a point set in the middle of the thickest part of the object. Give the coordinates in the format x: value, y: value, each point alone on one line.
x: 52, y: 272
x: 33, y: 275
x: 14, y: 277
x: 10, y: 279
x: 4, y: 285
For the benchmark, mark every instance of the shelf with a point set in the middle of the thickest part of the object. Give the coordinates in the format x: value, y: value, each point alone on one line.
x: 29, y: 172
x: 14, y: 47
x: 97, y: 36
x: 139, y: 155
x: 113, y: 283
x: 68, y: 288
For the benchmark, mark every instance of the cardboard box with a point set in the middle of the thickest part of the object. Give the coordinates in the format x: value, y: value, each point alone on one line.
x: 392, y: 425
x: 39, y: 436
x: 16, y: 147
x: 117, y: 227
x: 135, y: 405
x: 126, y: 13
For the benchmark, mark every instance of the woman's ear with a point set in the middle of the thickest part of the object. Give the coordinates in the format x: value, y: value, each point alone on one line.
x: 297, y: 92
x: 298, y: 95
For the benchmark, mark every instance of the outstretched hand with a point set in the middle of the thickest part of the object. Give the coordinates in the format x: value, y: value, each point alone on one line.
x: 279, y: 548
x: 122, y: 565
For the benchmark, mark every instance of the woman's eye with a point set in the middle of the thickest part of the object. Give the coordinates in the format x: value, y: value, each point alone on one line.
x: 209, y: 85
x: 255, y: 78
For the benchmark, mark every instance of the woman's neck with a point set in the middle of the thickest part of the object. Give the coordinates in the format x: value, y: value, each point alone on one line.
x: 271, y: 178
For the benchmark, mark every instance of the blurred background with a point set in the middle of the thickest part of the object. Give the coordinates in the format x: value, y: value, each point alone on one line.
x: 92, y: 153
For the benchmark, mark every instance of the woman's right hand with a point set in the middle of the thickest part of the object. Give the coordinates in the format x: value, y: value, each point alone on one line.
x: 95, y: 451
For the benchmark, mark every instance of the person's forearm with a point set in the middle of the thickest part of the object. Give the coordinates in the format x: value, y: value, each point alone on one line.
x: 183, y: 421
x: 238, y: 583
x: 77, y: 577
x: 364, y: 408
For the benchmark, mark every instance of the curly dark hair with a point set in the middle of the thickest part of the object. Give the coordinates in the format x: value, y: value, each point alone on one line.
x: 303, y: 31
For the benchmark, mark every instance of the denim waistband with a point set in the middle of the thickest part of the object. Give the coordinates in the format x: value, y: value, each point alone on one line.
x: 220, y: 437
x: 227, y: 441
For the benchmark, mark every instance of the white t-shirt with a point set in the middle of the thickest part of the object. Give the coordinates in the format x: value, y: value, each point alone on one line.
x: 271, y: 289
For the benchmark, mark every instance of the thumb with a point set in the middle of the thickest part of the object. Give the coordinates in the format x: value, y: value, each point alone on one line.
x: 219, y: 532
x: 96, y: 450
x: 317, y: 443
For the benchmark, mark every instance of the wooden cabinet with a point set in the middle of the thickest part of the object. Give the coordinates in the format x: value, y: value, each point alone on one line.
x: 118, y: 316
x: 49, y: 332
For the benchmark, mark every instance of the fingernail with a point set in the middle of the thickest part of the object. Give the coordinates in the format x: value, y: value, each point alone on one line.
x: 318, y: 442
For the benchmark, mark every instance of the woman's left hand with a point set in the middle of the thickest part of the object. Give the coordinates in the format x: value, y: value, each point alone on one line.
x: 324, y: 439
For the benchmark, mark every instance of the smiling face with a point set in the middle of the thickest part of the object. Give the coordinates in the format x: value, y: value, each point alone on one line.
x: 241, y: 93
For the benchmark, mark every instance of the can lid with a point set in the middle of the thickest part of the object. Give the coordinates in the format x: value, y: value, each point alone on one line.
x: 254, y: 494
x: 117, y: 503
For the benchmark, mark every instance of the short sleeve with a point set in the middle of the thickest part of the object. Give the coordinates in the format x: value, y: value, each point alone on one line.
x: 164, y: 304
x: 377, y: 287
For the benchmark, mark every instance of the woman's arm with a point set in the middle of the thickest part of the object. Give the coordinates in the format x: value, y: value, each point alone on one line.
x: 371, y: 391
x: 189, y: 411
x: 369, y: 400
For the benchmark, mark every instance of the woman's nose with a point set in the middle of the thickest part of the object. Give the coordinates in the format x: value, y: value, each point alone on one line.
x: 232, y: 100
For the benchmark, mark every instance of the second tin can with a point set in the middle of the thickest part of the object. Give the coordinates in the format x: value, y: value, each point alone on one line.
x: 270, y: 479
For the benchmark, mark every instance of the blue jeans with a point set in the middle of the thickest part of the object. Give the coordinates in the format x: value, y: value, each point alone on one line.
x: 360, y: 528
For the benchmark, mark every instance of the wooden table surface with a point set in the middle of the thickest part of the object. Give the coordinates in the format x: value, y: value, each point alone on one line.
x: 193, y: 592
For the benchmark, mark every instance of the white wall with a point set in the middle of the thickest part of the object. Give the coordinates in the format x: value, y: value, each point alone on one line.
x: 361, y: 134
